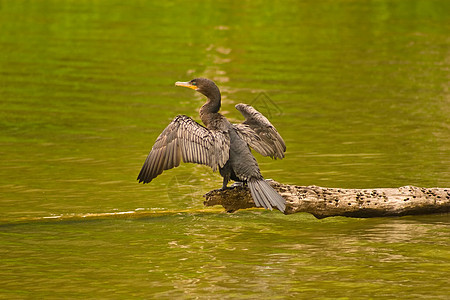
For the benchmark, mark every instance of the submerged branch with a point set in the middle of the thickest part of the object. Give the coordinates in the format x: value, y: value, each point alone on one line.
x: 327, y: 202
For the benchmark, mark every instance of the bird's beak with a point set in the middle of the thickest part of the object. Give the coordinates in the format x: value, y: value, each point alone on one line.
x: 186, y: 84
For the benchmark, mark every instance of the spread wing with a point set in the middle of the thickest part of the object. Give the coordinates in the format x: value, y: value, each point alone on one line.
x: 259, y: 133
x: 185, y: 139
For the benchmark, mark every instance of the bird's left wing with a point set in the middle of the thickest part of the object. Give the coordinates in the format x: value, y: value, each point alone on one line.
x: 185, y: 139
x: 259, y: 133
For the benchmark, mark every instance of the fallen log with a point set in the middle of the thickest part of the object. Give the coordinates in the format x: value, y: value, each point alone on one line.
x: 327, y: 202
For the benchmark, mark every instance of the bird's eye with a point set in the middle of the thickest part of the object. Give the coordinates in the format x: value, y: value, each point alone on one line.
x: 194, y: 82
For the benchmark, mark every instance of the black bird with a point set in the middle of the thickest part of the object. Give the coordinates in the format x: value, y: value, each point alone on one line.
x: 220, y: 145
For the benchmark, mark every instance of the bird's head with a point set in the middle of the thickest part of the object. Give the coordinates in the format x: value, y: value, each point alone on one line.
x: 202, y: 85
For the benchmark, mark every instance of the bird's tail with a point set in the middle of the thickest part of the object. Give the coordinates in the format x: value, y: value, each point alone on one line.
x: 265, y: 196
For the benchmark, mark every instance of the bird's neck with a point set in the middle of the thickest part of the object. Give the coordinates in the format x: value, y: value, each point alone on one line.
x: 210, y: 109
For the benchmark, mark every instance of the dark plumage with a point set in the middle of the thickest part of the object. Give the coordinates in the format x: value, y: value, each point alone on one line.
x: 220, y: 145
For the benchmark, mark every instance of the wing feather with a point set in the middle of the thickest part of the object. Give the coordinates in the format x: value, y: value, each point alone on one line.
x: 184, y: 139
x: 259, y: 133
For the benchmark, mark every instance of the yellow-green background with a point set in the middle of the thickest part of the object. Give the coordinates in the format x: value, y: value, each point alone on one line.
x: 358, y: 89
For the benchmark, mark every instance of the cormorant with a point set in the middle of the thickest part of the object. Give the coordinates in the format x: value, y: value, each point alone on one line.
x: 220, y: 145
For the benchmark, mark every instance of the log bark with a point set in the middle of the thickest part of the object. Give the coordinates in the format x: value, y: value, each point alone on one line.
x: 327, y: 202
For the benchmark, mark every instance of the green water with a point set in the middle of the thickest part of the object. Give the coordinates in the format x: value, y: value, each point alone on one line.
x: 358, y: 89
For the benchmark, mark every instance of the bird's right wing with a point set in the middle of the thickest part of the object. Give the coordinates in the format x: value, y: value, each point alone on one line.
x: 259, y: 133
x: 185, y: 139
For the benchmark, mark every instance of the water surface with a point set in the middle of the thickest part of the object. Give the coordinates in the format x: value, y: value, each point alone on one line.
x: 358, y: 89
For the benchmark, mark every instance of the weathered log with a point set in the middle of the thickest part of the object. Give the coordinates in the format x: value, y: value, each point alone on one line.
x: 327, y: 202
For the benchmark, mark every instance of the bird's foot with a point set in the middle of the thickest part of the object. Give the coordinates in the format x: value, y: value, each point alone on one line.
x: 234, y: 185
x: 237, y: 183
